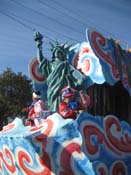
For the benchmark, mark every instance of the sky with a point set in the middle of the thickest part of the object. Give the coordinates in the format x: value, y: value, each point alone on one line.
x: 57, y: 20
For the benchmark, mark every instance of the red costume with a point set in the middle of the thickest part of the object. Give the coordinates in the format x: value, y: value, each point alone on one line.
x: 35, y: 110
x: 66, y: 112
x: 70, y: 108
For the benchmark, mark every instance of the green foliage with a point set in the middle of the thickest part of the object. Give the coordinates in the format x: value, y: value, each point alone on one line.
x: 15, y: 93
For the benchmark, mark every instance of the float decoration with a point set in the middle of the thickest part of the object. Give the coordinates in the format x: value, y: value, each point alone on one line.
x: 101, y: 60
x: 88, y: 145
x: 115, y: 62
x: 35, y: 72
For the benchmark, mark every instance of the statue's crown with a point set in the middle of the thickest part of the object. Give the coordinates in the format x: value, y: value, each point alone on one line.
x: 60, y: 47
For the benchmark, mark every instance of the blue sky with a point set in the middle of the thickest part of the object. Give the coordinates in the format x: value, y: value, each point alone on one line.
x: 57, y: 20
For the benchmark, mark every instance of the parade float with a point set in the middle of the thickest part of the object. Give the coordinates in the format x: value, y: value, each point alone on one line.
x: 90, y: 144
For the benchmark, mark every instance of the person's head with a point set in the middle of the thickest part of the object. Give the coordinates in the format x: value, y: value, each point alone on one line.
x: 36, y: 95
x: 68, y: 94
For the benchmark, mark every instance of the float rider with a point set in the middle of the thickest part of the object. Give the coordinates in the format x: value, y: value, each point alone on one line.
x: 34, y: 110
x: 71, y: 106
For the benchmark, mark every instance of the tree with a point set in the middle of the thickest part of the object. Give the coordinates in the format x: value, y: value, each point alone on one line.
x: 15, y: 93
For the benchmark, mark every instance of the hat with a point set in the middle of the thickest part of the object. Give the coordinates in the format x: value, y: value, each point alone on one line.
x: 68, y: 91
x: 36, y: 95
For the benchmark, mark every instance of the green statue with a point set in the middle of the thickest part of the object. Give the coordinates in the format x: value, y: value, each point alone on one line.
x: 58, y: 72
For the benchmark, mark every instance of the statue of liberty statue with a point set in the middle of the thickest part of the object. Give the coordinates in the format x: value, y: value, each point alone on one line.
x: 58, y: 72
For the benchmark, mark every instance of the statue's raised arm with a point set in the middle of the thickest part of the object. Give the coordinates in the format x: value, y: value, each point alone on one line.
x: 38, y: 38
x: 43, y: 62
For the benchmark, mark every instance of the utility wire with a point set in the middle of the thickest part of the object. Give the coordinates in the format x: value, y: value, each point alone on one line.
x: 25, y: 25
x: 40, y: 25
x: 65, y: 9
x: 42, y: 14
x: 18, y: 21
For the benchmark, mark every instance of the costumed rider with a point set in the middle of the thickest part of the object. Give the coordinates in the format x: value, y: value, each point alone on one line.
x: 35, y: 110
x: 70, y: 107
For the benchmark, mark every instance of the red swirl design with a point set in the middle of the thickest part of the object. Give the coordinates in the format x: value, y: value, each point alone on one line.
x: 98, y: 40
x: 119, y: 168
x: 77, y: 57
x: 102, y: 171
x: 88, y: 131
x: 124, y: 143
x: 47, y: 125
x: 7, y: 128
x: 35, y: 129
x: 49, y: 128
x: 34, y: 71
x: 75, y: 62
x: 66, y: 158
x: 10, y: 166
x: 23, y: 156
x: 42, y: 138
x: 44, y: 160
x: 92, y: 149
